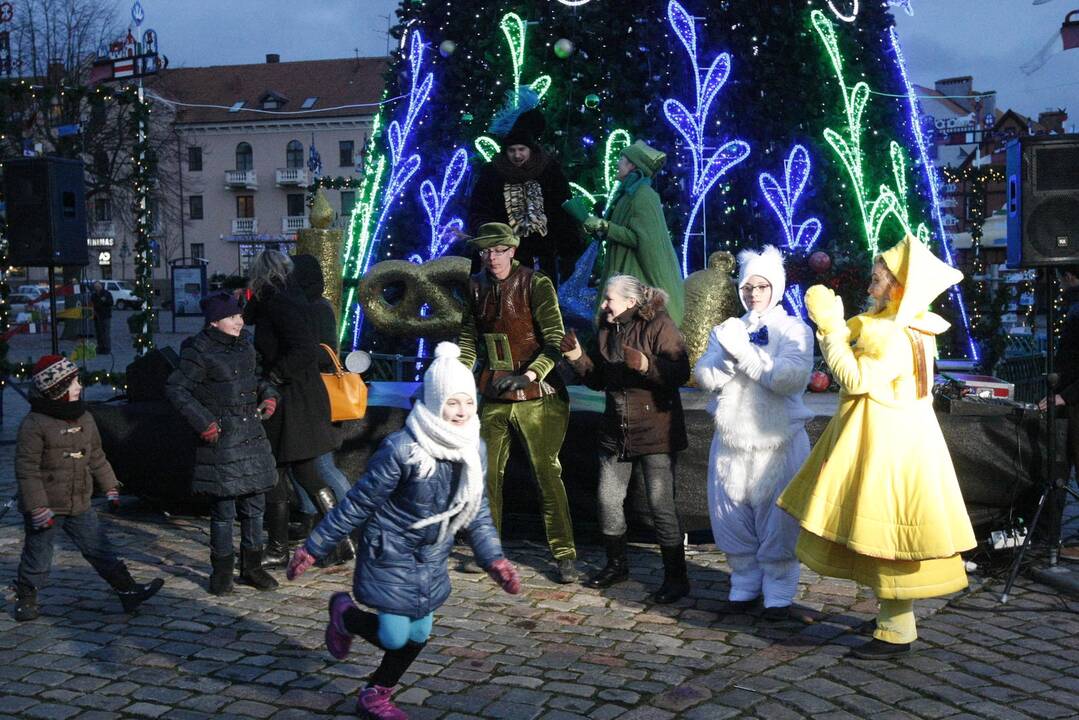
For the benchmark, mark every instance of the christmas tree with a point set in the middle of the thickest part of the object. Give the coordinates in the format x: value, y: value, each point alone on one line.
x: 791, y: 123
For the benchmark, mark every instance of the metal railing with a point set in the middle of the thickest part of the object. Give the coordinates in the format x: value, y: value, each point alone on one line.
x: 396, y: 368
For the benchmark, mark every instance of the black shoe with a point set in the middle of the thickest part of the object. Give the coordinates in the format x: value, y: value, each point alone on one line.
x: 131, y: 593
x: 275, y: 520
x: 739, y: 607
x: 221, y: 577
x: 617, y: 568
x: 567, y: 571
x: 25, y: 603
x: 253, y: 571
x: 301, y: 529
x: 777, y: 614
x: 877, y: 649
x: 675, y: 579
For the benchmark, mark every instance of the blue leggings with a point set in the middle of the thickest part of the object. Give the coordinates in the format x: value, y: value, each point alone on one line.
x: 396, y: 630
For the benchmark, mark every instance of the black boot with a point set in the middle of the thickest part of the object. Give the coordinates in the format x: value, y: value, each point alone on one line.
x: 301, y: 529
x: 221, y: 578
x: 25, y: 602
x: 675, y: 580
x: 617, y: 568
x: 275, y: 521
x: 346, y: 549
x: 252, y: 569
x: 132, y: 594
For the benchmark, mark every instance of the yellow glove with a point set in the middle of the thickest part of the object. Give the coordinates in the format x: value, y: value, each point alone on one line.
x: 825, y: 309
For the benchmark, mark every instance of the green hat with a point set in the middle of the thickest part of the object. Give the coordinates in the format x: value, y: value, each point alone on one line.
x: 647, y: 159
x: 494, y: 234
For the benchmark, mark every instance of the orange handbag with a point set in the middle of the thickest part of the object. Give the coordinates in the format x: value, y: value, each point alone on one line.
x: 347, y: 391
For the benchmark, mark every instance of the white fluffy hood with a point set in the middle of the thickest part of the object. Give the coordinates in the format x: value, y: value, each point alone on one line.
x: 768, y: 264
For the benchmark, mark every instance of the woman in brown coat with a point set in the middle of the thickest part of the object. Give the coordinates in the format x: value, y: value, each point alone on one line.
x: 640, y: 360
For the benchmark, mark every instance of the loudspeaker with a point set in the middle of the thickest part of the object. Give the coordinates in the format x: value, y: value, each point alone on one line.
x: 46, y: 212
x: 147, y: 375
x: 1043, y: 201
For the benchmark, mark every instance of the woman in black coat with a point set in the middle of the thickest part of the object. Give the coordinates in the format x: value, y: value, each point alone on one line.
x: 300, y: 431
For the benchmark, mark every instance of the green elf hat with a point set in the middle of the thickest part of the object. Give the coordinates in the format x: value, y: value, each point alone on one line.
x: 647, y: 159
x: 493, y: 235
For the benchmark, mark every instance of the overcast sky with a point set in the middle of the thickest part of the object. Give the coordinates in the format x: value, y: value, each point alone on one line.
x: 988, y: 39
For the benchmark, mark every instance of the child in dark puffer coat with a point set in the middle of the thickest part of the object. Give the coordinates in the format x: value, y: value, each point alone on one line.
x: 423, y: 484
x: 218, y: 391
x: 58, y: 461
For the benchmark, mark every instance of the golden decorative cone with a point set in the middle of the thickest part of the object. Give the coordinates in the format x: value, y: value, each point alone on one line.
x: 325, y: 245
x: 321, y: 213
x: 711, y: 298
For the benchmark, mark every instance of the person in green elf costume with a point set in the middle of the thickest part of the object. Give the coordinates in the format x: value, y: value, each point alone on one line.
x: 512, y: 324
x: 638, y: 242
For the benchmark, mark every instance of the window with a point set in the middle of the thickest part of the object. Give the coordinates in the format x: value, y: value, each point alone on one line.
x: 245, y: 159
x: 245, y: 206
x: 194, y: 158
x: 347, y: 151
x: 198, y: 251
x: 294, y: 202
x: 294, y: 155
x: 194, y: 207
x: 348, y: 201
x: 103, y: 210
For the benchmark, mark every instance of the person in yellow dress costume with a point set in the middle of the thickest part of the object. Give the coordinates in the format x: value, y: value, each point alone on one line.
x: 877, y: 499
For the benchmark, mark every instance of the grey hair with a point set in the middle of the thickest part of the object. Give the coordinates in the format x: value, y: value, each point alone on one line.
x: 648, y: 299
x: 270, y: 268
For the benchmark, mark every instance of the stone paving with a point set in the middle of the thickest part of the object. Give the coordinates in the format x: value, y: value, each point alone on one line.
x: 553, y: 652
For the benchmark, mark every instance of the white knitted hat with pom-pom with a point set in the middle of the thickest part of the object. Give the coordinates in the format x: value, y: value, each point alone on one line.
x: 446, y: 376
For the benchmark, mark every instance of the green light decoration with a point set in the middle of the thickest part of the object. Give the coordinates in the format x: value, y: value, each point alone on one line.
x: 487, y: 147
x: 541, y: 85
x: 513, y: 27
x: 889, y: 202
x: 579, y: 190
x: 617, y: 141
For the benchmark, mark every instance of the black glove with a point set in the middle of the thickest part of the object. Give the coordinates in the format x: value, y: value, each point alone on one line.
x: 511, y: 382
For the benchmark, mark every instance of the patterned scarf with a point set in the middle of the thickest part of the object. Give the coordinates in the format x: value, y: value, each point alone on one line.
x: 524, y: 208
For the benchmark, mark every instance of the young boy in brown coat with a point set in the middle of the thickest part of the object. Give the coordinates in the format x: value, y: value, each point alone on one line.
x: 58, y: 460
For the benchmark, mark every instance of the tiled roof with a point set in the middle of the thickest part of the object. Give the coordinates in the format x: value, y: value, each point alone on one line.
x: 335, y: 83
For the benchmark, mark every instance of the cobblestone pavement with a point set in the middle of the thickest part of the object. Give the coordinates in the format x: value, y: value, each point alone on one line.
x: 554, y: 652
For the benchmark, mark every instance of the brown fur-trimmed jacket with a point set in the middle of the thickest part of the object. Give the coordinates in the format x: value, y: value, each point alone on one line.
x: 58, y: 462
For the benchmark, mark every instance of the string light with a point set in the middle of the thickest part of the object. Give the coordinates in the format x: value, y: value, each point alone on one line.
x: 435, y: 202
x: 784, y: 199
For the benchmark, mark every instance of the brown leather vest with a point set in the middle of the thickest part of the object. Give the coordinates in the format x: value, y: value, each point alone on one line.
x: 505, y: 326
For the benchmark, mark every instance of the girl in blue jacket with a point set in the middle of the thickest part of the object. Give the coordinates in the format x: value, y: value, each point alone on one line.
x: 423, y: 484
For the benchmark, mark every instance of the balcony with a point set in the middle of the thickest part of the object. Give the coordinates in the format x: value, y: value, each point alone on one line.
x: 286, y: 177
x: 100, y: 229
x: 245, y: 179
x: 293, y: 223
x: 245, y: 226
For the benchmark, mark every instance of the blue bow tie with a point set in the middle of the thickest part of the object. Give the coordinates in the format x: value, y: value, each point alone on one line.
x: 759, y: 337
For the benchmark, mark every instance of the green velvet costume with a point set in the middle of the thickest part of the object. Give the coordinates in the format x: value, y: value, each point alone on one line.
x: 639, y: 244
x: 539, y: 423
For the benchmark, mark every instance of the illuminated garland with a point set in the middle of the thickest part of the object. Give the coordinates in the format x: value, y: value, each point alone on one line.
x: 435, y: 202
x: 784, y: 199
x: 706, y: 170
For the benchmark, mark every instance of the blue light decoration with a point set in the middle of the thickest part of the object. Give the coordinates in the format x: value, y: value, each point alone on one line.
x: 795, y: 297
x: 955, y: 293
x: 783, y: 199
x: 435, y: 201
x: 399, y: 136
x: 706, y: 170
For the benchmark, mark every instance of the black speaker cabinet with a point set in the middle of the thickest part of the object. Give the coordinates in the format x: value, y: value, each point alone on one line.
x: 1043, y: 201
x: 46, y: 212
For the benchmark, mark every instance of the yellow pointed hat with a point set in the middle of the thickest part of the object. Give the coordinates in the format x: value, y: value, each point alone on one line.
x: 923, y: 276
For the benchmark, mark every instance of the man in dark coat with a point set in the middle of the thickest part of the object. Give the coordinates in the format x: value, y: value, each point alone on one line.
x: 101, y: 300
x: 523, y: 186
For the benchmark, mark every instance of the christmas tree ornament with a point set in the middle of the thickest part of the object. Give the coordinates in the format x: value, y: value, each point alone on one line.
x: 591, y: 101
x: 820, y: 262
x: 564, y: 48
x: 447, y: 48
x: 819, y: 381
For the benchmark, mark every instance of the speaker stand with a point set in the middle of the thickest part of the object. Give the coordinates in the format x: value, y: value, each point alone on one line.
x: 52, y: 310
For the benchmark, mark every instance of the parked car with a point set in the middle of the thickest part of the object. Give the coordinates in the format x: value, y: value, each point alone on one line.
x: 123, y: 294
x: 24, y: 308
x: 33, y: 291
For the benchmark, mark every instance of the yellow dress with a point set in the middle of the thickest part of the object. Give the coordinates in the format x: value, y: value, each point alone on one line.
x: 878, y: 499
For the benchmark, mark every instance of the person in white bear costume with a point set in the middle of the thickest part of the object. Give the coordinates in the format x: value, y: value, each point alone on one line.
x: 760, y: 364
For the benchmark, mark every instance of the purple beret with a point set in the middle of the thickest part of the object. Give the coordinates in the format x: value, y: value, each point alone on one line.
x: 220, y: 305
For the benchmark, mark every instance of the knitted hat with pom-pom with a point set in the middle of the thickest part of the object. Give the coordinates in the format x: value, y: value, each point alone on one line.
x: 446, y: 376
x: 53, y: 375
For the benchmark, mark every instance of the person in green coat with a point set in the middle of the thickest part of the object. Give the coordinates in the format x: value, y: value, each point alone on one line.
x: 638, y: 242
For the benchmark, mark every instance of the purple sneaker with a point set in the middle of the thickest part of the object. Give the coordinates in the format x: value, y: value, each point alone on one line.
x: 338, y: 639
x: 374, y: 704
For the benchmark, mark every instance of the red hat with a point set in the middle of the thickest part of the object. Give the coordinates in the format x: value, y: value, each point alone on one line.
x: 53, y: 375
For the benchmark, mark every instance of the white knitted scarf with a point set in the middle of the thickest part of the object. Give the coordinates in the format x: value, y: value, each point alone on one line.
x: 442, y: 441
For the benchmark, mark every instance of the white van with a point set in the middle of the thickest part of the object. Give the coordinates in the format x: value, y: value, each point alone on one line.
x: 123, y: 294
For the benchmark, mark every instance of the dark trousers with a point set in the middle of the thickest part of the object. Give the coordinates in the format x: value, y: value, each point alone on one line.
x: 103, y: 333
x: 658, y: 474
x: 224, y: 511
x: 85, y: 532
